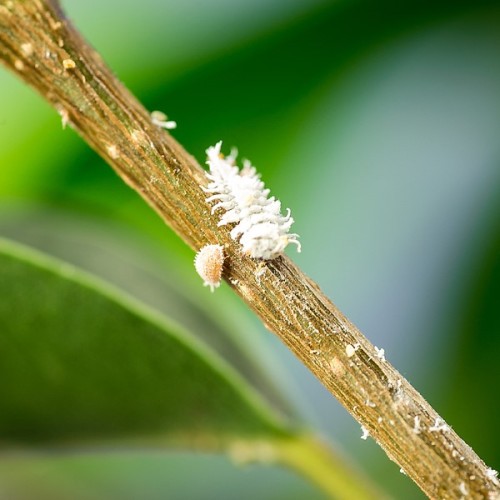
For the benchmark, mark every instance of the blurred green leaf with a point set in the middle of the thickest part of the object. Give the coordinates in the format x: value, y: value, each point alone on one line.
x: 146, y: 475
x: 80, y: 362
x: 475, y: 373
x: 81, y: 365
x: 158, y: 277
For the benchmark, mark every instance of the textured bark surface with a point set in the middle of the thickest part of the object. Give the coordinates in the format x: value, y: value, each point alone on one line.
x: 39, y: 44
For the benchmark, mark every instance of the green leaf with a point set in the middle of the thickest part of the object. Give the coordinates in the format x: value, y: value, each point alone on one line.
x: 82, y: 364
x: 158, y: 277
x: 79, y: 361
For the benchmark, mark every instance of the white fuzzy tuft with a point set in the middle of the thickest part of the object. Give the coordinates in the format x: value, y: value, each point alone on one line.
x: 492, y: 475
x: 161, y: 120
x: 365, y: 432
x: 260, y: 227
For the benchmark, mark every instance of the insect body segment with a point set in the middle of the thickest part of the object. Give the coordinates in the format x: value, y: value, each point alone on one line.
x: 261, y: 229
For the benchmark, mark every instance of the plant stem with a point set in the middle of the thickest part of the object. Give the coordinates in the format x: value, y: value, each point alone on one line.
x: 310, y: 458
x: 39, y: 44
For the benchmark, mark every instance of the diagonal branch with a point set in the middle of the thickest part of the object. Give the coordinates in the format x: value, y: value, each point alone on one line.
x: 39, y: 44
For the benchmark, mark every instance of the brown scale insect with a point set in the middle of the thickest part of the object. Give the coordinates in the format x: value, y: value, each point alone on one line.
x: 208, y: 264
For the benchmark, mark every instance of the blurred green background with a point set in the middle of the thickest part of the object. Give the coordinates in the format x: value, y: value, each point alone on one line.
x: 376, y: 122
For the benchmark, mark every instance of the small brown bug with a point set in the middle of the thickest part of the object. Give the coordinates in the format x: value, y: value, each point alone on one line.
x: 208, y: 264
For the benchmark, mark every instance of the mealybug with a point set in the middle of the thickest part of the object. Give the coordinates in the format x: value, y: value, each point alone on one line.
x: 208, y: 264
x: 260, y: 227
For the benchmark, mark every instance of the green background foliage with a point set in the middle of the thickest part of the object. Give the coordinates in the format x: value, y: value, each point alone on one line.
x: 125, y: 382
x: 376, y: 122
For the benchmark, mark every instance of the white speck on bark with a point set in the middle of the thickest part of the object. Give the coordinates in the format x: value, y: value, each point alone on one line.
x: 416, y: 425
x: 337, y: 367
x: 463, y: 489
x: 161, y: 120
x: 27, y: 49
x: 69, y: 64
x: 492, y: 475
x: 350, y: 350
x: 113, y: 151
x: 439, y: 426
x: 380, y: 353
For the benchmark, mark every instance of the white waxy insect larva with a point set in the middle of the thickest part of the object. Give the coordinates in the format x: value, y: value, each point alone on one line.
x: 208, y: 264
x: 261, y: 229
